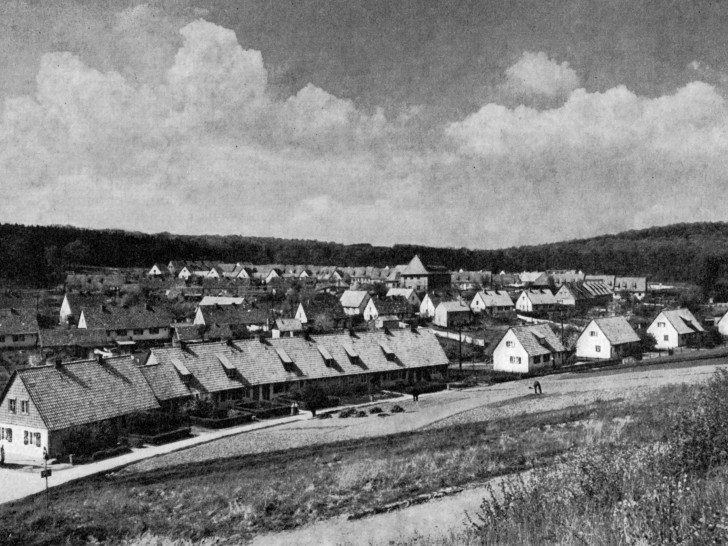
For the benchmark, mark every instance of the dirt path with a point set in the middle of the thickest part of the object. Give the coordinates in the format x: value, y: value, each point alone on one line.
x: 436, y: 520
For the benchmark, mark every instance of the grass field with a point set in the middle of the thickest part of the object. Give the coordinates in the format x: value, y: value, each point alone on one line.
x: 226, y: 501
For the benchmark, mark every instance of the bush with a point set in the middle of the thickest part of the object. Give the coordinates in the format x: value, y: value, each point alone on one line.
x: 397, y: 409
x: 375, y: 409
x: 361, y: 414
x: 108, y: 453
x: 348, y: 412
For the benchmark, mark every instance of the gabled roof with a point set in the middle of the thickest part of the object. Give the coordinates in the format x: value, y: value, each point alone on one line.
x: 541, y: 297
x: 396, y: 305
x: 415, y: 267
x: 202, y: 332
x: 330, y: 307
x: 221, y: 300
x: 617, y: 330
x: 260, y: 363
x: 18, y: 321
x: 452, y: 307
x: 79, y: 393
x: 404, y: 292
x: 353, y: 298
x: 496, y: 298
x: 111, y: 317
x: 683, y: 321
x: 538, y: 339
x: 630, y: 284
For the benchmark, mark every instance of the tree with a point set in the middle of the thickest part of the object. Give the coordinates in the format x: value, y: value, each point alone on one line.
x: 647, y: 341
x: 315, y: 398
x: 76, y: 252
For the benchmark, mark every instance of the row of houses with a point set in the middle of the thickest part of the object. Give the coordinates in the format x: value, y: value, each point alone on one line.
x: 40, y: 407
x: 525, y: 348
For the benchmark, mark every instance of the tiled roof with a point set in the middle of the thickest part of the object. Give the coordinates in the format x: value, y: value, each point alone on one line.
x: 630, y: 284
x: 396, y: 305
x: 541, y: 297
x: 617, y: 330
x: 415, y: 267
x: 165, y: 381
x: 496, y: 298
x: 529, y: 276
x: 453, y: 307
x: 683, y: 321
x: 78, y: 337
x: 259, y: 363
x: 403, y: 292
x: 202, y: 332
x: 112, y: 318
x: 332, y: 307
x: 18, y: 321
x: 234, y: 314
x: 289, y: 325
x: 353, y: 298
x: 85, y: 392
x: 538, y: 339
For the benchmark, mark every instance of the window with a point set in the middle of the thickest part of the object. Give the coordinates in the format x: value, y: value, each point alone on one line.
x: 2, y: 339
x: 660, y: 324
x: 138, y: 332
x: 9, y: 435
x: 24, y: 407
x: 12, y: 405
x: 2, y: 433
x: 598, y: 348
x: 121, y: 332
x: 593, y: 333
x: 20, y: 337
x: 509, y: 344
x: 26, y: 439
x: 515, y: 360
x: 154, y: 330
x: 37, y: 439
x: 667, y: 338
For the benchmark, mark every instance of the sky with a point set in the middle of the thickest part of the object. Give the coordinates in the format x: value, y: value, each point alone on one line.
x: 479, y: 123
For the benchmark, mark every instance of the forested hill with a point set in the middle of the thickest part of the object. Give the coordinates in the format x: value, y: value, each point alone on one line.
x: 37, y: 255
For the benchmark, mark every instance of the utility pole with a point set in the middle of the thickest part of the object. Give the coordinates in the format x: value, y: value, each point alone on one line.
x: 460, y: 346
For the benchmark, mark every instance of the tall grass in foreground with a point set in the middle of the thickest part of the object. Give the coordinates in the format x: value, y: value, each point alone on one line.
x: 673, y: 491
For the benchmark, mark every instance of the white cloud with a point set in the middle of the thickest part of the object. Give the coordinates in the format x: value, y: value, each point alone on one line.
x: 535, y: 73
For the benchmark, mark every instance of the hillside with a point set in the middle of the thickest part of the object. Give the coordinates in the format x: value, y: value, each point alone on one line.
x: 38, y: 255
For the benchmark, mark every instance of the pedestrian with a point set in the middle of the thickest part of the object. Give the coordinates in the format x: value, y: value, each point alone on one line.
x: 415, y: 395
x: 2, y: 455
x: 537, y: 387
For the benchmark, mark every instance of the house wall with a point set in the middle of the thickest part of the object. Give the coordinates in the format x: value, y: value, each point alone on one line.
x: 65, y: 309
x: 503, y: 354
x: 301, y: 314
x: 370, y: 311
x: 666, y: 336
x: 586, y: 345
x: 523, y: 303
x: 20, y: 423
x: 723, y: 325
x: 564, y: 297
x: 9, y: 341
x: 477, y: 305
x: 427, y: 309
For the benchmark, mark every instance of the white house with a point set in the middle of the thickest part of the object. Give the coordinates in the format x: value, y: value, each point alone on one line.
x: 221, y: 300
x: 138, y: 323
x: 607, y: 338
x: 524, y: 348
x: 675, y: 328
x: 451, y: 313
x: 428, y: 305
x: 407, y: 293
x: 157, y: 270
x: 722, y: 325
x: 535, y: 300
x: 355, y: 302
x: 491, y: 301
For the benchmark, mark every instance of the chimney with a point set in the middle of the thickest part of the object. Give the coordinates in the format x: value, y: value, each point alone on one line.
x: 100, y: 358
x: 59, y: 362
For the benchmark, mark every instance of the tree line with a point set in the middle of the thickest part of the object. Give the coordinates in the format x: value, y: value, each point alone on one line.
x: 697, y: 252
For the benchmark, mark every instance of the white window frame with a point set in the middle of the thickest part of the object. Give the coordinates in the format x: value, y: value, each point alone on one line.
x: 598, y: 348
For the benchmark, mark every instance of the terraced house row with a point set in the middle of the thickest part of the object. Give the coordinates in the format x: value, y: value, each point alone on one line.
x: 40, y: 407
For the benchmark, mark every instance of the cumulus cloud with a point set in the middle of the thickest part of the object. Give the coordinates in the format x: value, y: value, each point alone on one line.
x: 536, y: 74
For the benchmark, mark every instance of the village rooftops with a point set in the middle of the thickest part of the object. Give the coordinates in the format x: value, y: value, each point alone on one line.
x: 496, y: 298
x: 330, y: 307
x: 18, y: 321
x: 73, y: 337
x: 288, y: 325
x: 353, y: 298
x: 234, y: 314
x: 221, y: 300
x: 88, y: 391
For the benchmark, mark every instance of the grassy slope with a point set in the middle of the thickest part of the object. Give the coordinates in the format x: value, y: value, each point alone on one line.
x: 236, y: 498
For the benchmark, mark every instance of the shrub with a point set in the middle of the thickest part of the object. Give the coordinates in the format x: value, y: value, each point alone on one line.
x: 375, y: 409
x: 348, y: 412
x: 361, y: 414
x: 397, y: 409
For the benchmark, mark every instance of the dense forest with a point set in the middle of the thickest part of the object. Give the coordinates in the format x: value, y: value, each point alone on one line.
x: 38, y: 255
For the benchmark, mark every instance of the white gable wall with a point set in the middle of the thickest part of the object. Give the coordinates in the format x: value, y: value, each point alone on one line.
x: 592, y: 343
x: 370, y: 311
x: 664, y: 332
x: 510, y: 356
x: 523, y: 303
x: 301, y: 314
x: 478, y: 304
